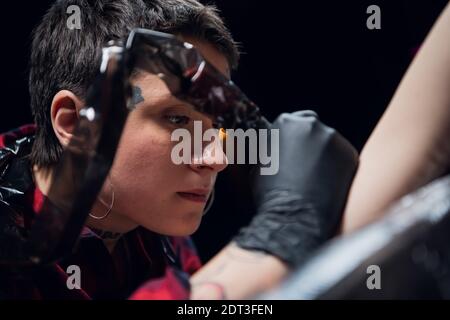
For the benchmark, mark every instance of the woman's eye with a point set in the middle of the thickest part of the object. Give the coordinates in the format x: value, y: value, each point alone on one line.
x: 178, y: 119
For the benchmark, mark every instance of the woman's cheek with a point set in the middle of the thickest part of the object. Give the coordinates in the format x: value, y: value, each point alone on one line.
x: 143, y: 162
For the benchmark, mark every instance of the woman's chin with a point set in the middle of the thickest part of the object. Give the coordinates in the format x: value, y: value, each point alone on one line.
x: 188, y: 227
x: 181, y: 227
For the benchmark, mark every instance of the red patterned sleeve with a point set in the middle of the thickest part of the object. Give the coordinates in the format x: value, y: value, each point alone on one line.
x: 174, y: 285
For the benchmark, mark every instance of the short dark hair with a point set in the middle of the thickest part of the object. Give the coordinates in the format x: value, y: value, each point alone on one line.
x: 64, y: 58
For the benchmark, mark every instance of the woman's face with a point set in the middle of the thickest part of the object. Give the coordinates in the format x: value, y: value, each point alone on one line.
x: 149, y: 189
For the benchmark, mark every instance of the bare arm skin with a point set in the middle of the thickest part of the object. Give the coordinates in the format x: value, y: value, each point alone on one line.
x: 235, y: 273
x: 410, y: 146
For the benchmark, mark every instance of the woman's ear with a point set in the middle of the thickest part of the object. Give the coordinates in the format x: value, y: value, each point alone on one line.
x: 64, y: 115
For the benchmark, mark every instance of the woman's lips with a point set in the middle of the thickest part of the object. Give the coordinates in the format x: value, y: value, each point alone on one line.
x: 195, y: 196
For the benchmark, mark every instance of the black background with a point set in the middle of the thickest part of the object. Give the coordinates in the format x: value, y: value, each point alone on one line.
x: 297, y: 55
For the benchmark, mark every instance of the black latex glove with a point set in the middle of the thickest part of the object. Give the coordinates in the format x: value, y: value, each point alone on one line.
x: 300, y: 207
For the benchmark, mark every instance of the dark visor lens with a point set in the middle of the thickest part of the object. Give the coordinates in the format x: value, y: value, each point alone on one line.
x: 191, y: 78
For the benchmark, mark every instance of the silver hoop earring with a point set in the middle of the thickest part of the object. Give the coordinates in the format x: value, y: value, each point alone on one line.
x: 209, y: 203
x: 110, y: 206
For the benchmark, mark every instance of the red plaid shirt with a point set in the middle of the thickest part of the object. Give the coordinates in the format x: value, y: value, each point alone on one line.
x: 138, y: 267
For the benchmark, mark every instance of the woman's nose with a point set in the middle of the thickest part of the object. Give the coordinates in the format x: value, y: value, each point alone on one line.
x: 213, y: 156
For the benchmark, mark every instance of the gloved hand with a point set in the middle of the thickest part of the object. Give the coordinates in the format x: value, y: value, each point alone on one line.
x: 300, y: 207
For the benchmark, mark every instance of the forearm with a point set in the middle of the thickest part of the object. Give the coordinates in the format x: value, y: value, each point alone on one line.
x: 410, y: 145
x: 235, y: 273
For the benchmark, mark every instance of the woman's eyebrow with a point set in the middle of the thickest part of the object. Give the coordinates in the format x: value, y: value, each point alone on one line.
x: 158, y: 99
x: 168, y: 100
x: 174, y: 102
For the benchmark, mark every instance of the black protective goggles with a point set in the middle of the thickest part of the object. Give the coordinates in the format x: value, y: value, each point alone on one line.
x: 191, y: 78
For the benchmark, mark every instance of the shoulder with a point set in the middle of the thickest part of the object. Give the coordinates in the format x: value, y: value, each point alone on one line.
x: 10, y: 137
x: 15, y: 180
